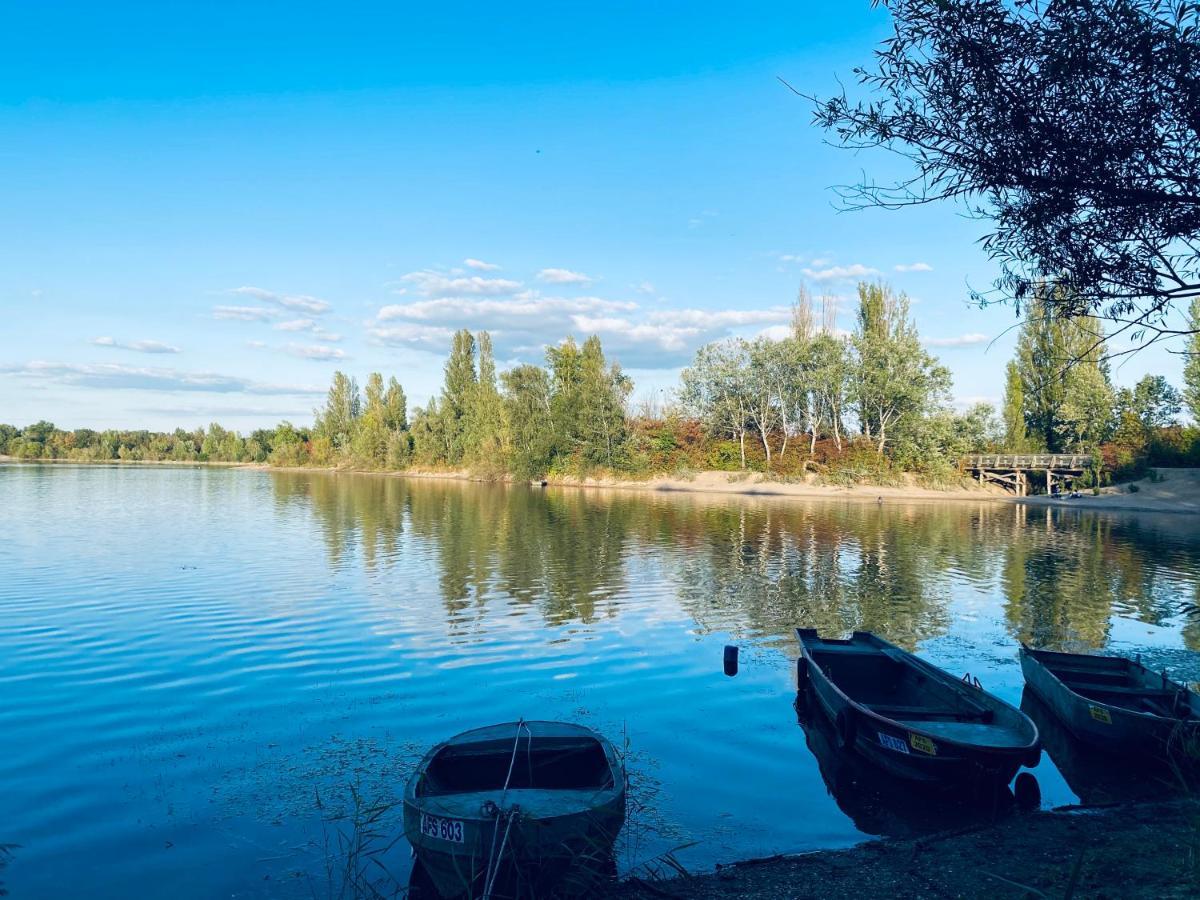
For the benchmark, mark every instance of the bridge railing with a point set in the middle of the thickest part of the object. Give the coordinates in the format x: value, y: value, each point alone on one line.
x: 1028, y: 461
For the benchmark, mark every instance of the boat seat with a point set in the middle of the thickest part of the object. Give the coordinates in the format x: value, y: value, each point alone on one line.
x: 927, y: 712
x: 1071, y: 675
x: 1118, y: 690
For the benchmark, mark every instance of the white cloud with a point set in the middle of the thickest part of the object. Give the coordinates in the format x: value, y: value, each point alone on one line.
x: 246, y: 313
x: 840, y: 273
x: 563, y: 276
x: 697, y: 221
x: 136, y: 346
x: 438, y: 284
x: 433, y: 338
x: 962, y: 340
x: 776, y: 332
x: 646, y: 287
x: 322, y: 335
x: 499, y: 313
x: 914, y: 267
x: 121, y: 377
x: 298, y: 302
x: 314, y: 351
x: 296, y: 325
x: 708, y: 319
x: 480, y: 265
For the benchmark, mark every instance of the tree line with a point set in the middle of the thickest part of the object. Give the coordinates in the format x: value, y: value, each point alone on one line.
x: 868, y: 405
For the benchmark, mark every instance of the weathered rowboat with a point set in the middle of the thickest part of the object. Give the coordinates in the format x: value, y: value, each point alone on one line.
x: 911, y: 718
x: 518, y: 809
x: 1115, y: 704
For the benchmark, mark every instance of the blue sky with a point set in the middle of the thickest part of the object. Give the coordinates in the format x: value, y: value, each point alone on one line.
x: 209, y: 208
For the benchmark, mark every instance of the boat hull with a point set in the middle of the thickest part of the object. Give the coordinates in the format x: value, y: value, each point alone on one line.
x: 533, y: 808
x: 910, y: 752
x: 566, y: 856
x: 1111, y: 729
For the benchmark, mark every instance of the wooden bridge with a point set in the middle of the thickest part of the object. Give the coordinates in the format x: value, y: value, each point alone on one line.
x: 1013, y: 469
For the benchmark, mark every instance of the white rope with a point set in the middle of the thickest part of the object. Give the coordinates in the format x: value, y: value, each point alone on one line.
x: 494, y: 858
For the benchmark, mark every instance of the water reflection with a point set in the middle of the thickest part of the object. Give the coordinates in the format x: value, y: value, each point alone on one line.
x: 762, y: 567
x: 885, y: 806
x: 1096, y: 778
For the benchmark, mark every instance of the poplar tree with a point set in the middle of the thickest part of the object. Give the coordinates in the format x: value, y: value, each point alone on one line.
x: 895, y: 380
x: 1191, y: 369
x: 458, y: 394
x: 342, y: 406
x: 1016, y: 438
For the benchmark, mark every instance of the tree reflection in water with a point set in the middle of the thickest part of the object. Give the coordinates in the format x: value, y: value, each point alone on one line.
x: 760, y: 567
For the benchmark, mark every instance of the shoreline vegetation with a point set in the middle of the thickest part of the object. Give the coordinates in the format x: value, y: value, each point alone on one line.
x: 871, y: 409
x: 1174, y: 491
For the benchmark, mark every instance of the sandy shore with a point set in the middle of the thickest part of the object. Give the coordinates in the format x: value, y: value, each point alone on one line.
x: 1138, y: 851
x: 1172, y: 491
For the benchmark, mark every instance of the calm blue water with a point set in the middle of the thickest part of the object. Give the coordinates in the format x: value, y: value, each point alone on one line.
x: 199, y: 668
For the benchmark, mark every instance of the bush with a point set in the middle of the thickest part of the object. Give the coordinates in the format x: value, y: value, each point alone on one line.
x: 1133, y: 488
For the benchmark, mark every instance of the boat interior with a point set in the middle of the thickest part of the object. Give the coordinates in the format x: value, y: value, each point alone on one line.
x: 1114, y: 681
x: 884, y: 682
x: 541, y: 763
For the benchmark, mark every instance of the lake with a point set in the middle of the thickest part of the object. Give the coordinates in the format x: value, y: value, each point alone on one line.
x: 201, y: 668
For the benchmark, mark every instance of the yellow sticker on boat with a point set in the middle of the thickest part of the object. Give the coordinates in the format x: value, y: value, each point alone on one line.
x: 922, y: 743
x: 1100, y: 714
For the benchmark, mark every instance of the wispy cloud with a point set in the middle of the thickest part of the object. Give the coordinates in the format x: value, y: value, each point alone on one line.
x: 435, y: 284
x: 121, y: 377
x: 840, y: 273
x: 317, y: 352
x: 246, y: 313
x: 479, y: 265
x: 313, y: 306
x: 136, y: 346
x: 563, y: 276
x: 524, y: 325
x: 296, y: 325
x: 697, y: 221
x: 914, y: 267
x: 962, y: 340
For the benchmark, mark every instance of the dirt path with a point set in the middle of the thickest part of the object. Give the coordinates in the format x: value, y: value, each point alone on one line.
x: 1141, y: 851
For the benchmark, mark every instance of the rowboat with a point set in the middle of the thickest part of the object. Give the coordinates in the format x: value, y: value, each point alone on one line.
x: 1115, y: 704
x: 912, y: 719
x: 517, y: 809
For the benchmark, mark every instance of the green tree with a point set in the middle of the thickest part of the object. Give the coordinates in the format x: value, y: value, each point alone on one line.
x: 1055, y: 352
x: 1086, y: 417
x: 1155, y: 402
x: 1016, y: 438
x: 714, y: 390
x: 528, y: 411
x: 342, y: 407
x: 369, y: 441
x: 1191, y: 369
x: 485, y: 437
x: 458, y: 394
x: 896, y: 382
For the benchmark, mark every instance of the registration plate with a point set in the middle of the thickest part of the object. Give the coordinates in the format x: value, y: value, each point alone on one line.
x: 442, y: 829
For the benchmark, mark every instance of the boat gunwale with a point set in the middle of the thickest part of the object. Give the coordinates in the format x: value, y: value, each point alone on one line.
x: 942, y: 676
x: 1150, y: 717
x: 616, y: 789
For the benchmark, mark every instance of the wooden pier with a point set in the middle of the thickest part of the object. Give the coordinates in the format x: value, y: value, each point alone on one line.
x: 1013, y: 470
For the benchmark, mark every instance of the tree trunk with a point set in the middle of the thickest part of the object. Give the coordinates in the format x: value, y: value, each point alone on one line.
x: 742, y: 442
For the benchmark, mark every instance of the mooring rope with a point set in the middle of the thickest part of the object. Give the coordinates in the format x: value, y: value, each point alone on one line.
x: 494, y: 858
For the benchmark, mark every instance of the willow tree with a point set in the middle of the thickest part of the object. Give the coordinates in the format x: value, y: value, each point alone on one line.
x: 1071, y: 126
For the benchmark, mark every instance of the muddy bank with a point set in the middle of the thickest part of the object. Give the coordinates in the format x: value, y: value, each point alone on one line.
x: 1145, y: 850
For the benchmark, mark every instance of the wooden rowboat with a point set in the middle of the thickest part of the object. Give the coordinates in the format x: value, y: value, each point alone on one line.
x: 518, y: 809
x: 1114, y: 704
x: 912, y: 719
